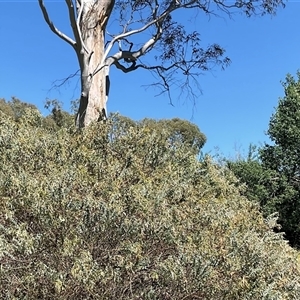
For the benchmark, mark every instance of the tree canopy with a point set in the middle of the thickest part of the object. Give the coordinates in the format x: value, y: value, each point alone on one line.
x: 146, y: 35
x: 283, y: 157
x: 273, y: 178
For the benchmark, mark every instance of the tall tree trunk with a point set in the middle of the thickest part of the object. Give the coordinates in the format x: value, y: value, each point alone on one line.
x: 94, y: 88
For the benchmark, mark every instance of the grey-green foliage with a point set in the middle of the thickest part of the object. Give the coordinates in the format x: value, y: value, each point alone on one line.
x: 15, y: 108
x: 179, y: 130
x: 104, y: 215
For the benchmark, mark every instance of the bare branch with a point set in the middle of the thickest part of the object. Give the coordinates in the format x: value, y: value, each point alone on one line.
x: 200, y: 60
x: 75, y: 23
x: 131, y: 55
x: 52, y: 26
x: 171, y: 8
x: 150, y: 43
x: 119, y: 66
x: 157, y: 20
x: 60, y: 82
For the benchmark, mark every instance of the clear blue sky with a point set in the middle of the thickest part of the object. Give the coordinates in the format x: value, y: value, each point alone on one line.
x: 234, y: 108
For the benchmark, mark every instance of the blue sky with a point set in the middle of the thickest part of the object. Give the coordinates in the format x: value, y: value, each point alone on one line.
x: 235, y: 105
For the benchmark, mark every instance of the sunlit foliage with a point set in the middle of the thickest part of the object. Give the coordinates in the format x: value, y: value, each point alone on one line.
x: 121, y: 214
x: 273, y: 178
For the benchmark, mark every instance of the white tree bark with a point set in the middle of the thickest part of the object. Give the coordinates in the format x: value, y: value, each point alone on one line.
x: 88, y: 20
x: 91, y: 24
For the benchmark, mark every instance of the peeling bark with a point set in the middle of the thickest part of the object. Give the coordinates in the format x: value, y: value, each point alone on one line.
x: 94, y: 92
x: 88, y: 20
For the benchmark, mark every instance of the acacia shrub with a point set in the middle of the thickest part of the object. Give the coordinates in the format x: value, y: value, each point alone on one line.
x: 179, y: 131
x: 98, y: 215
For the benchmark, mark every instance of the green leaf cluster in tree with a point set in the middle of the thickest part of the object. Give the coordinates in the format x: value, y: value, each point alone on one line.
x: 284, y: 157
x: 117, y: 212
x: 274, y: 178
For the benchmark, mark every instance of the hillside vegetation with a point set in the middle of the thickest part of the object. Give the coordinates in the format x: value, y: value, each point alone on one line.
x: 272, y: 171
x: 124, y: 212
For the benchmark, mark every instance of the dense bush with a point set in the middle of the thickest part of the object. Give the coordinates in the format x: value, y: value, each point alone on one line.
x: 122, y: 214
x: 273, y: 177
x: 179, y: 130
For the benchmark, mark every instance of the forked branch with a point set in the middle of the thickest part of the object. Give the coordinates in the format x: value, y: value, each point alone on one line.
x: 75, y: 23
x: 53, y: 28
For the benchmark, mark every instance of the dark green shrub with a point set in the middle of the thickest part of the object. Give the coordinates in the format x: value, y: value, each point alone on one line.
x: 273, y: 178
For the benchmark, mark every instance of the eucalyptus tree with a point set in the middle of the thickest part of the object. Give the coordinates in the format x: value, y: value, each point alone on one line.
x: 142, y: 27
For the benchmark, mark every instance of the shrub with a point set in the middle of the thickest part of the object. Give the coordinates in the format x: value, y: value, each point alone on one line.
x: 97, y: 215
